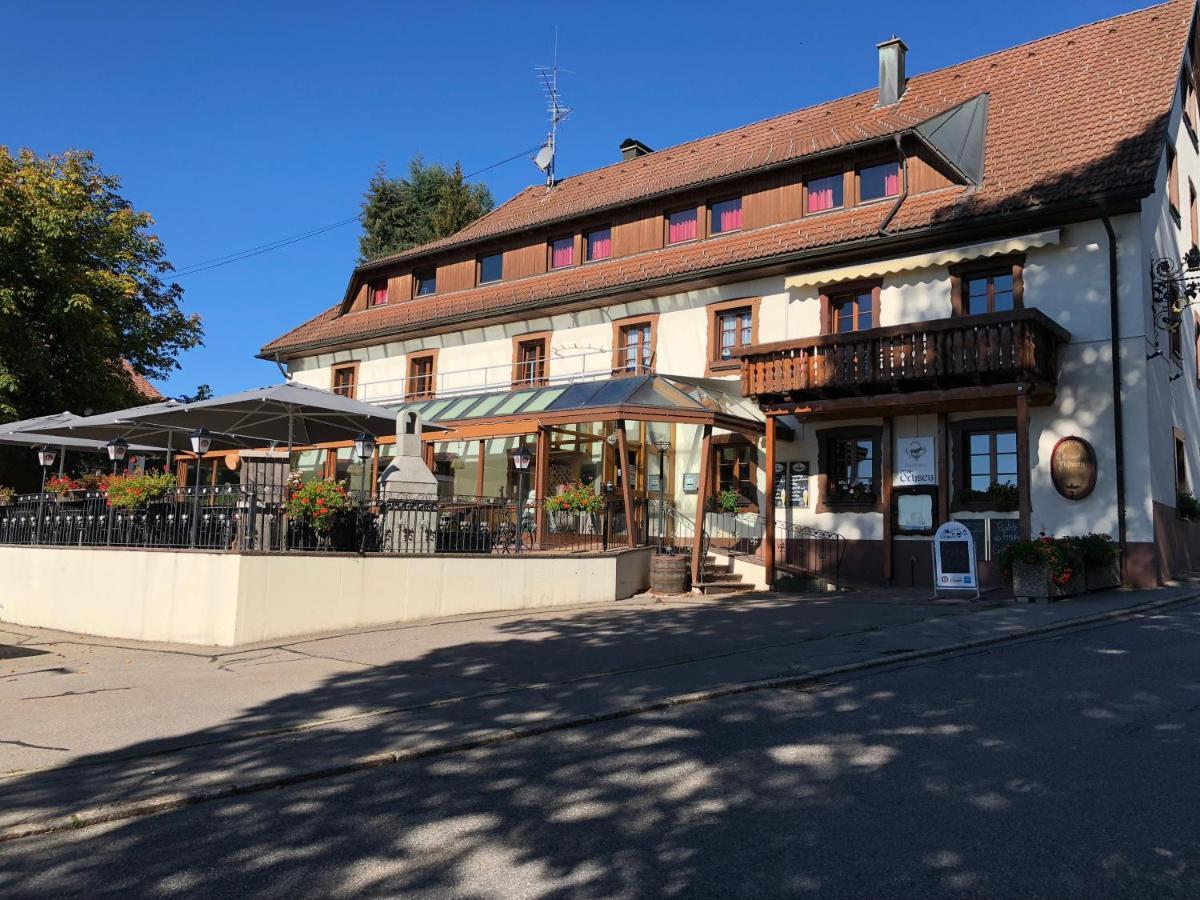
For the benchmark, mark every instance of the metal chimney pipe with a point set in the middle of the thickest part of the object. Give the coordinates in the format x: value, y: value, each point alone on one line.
x: 891, y: 70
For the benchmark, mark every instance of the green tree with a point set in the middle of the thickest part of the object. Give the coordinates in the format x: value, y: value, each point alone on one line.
x: 82, y: 287
x: 430, y: 203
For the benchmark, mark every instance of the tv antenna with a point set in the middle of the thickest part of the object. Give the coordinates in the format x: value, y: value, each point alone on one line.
x: 544, y: 159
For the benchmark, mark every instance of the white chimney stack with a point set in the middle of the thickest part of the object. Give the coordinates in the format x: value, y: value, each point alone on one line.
x: 891, y: 70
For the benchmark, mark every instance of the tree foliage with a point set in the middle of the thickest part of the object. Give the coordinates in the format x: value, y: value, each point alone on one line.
x: 82, y: 287
x: 430, y: 203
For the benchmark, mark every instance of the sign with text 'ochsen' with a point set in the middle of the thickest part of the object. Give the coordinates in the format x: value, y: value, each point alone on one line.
x: 954, y: 570
x: 916, y: 462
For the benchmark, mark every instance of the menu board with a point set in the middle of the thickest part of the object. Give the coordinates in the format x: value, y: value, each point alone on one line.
x: 978, y: 529
x: 954, y: 560
x: 1003, y: 533
x: 781, y: 484
x: 798, y: 484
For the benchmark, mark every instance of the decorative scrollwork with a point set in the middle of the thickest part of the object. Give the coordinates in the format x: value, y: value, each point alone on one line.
x: 1174, y: 285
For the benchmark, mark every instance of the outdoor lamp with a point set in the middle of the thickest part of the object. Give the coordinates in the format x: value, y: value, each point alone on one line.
x: 47, y: 456
x: 522, y: 457
x: 612, y: 440
x: 201, y: 441
x: 117, y: 448
x: 364, y: 446
x: 663, y: 445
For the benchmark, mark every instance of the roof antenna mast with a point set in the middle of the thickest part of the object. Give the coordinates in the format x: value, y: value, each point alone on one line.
x: 548, y: 75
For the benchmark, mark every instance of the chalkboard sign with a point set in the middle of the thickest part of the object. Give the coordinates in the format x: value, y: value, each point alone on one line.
x: 978, y: 529
x: 798, y: 484
x: 954, y: 560
x: 1003, y: 533
x: 781, y: 484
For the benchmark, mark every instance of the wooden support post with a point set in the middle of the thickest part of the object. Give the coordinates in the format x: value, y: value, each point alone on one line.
x: 885, y: 493
x: 701, y: 497
x: 1024, y: 472
x: 943, y: 470
x: 769, y: 505
x: 626, y: 484
x: 479, y: 470
x: 541, y: 484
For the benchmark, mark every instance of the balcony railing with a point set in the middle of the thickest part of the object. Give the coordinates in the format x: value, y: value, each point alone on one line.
x: 996, y: 348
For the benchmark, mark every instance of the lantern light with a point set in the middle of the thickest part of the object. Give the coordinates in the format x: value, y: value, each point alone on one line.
x: 117, y: 448
x: 201, y: 441
x: 364, y: 446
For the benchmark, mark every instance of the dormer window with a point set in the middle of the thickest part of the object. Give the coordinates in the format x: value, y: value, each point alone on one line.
x: 562, y: 253
x: 491, y: 268
x: 379, y: 293
x: 681, y: 226
x: 725, y: 215
x: 426, y: 282
x: 877, y: 182
x: 598, y: 244
x: 825, y: 193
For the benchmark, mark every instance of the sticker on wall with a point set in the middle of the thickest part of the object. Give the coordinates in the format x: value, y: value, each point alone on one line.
x: 916, y: 462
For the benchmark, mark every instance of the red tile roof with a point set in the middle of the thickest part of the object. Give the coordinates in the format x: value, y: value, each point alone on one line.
x: 1077, y: 114
x: 140, y: 384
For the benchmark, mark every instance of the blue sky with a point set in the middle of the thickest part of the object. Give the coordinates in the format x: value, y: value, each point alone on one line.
x: 236, y: 124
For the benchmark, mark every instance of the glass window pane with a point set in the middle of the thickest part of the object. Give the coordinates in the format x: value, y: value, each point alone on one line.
x: 1006, y: 464
x: 1006, y: 442
x: 491, y: 268
x: 681, y: 226
x: 824, y: 193
x: 599, y: 244
x: 864, y: 311
x: 981, y: 443
x: 879, y: 181
x: 980, y: 482
x: 977, y: 305
x: 727, y: 216
x: 562, y: 253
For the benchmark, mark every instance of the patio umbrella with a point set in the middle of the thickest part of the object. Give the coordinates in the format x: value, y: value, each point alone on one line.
x: 128, y: 425
x: 19, y: 433
x: 288, y: 413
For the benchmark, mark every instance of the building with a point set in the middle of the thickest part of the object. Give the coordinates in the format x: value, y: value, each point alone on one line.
x: 868, y: 316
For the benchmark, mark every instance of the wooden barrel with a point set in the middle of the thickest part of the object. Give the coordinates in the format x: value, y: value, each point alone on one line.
x: 669, y: 574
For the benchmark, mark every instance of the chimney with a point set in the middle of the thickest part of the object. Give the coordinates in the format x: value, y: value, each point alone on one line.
x: 891, y: 70
x: 632, y: 148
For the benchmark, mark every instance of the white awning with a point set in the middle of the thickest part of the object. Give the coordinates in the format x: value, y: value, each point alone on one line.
x: 924, y: 260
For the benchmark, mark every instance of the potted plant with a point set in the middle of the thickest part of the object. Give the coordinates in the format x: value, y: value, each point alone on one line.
x: 998, y: 496
x: 63, y: 487
x: 93, y: 481
x: 7, y: 495
x: 1187, y: 507
x: 316, y: 504
x: 138, y: 489
x: 1044, y: 569
x: 725, y: 502
x: 574, y: 505
x: 1101, y: 561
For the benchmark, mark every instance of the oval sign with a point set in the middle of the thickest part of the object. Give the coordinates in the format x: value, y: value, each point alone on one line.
x: 1073, y: 468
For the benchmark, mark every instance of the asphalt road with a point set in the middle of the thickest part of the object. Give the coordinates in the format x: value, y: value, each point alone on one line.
x: 1057, y: 767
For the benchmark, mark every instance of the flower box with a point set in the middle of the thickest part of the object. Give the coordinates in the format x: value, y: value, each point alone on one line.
x: 1032, y: 583
x: 1102, y: 576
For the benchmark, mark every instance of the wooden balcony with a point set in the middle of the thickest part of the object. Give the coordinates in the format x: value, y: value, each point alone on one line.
x: 983, y: 351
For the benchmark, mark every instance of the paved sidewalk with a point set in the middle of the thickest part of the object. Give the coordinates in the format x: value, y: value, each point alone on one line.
x: 96, y: 723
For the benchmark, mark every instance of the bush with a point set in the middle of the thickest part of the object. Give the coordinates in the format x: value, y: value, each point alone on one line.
x: 1187, y: 507
x: 1002, y: 497
x: 726, y: 501
x: 1095, y: 549
x: 135, y: 489
x: 315, y: 502
x: 6, y: 494
x: 62, y: 484
x: 575, y: 498
x: 1060, y: 557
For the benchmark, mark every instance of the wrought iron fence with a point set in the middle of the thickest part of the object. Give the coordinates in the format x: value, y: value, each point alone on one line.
x: 241, y: 518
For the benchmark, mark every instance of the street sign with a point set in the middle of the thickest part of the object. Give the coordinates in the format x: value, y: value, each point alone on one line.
x: 954, y: 569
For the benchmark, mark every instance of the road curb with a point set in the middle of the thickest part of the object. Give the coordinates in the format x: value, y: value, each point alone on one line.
x: 179, y: 800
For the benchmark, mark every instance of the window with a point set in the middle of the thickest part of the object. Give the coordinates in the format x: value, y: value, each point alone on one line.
x: 681, y: 226
x: 379, y: 293
x: 420, y: 376
x: 1193, y: 214
x: 725, y: 215
x: 851, y: 311
x: 562, y: 253
x: 734, y: 329
x: 877, y: 182
x: 529, y: 361
x: 735, y: 471
x: 991, y: 458
x: 848, y: 465
x: 988, y: 293
x: 345, y: 380
x: 1181, y: 479
x: 1173, y: 181
x: 634, y: 347
x: 426, y: 282
x: 491, y: 268
x: 598, y: 244
x: 821, y: 194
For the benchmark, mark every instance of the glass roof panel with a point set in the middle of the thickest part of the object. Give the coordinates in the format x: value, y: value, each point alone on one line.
x: 429, y: 410
x: 618, y: 390
x: 542, y: 399
x: 487, y: 404
x: 458, y: 409
x: 660, y: 392
x: 513, y: 402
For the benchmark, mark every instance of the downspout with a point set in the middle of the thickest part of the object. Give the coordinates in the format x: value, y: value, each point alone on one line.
x: 287, y: 376
x: 1114, y: 319
x: 887, y: 220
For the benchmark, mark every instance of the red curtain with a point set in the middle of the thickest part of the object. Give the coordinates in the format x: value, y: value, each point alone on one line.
x: 563, y: 253
x: 379, y: 294
x: 891, y: 183
x: 730, y: 218
x: 682, y: 227
x: 820, y: 199
x: 600, y: 244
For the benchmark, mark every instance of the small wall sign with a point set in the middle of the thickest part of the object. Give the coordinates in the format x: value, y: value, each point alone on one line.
x: 1073, y: 468
x: 798, y: 484
x: 916, y: 462
x: 691, y: 482
x: 954, y: 569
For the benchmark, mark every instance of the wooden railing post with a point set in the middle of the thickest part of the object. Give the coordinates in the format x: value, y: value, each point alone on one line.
x: 769, y: 505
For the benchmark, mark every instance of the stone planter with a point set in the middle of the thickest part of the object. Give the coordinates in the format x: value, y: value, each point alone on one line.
x: 1033, y: 583
x: 1103, y: 577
